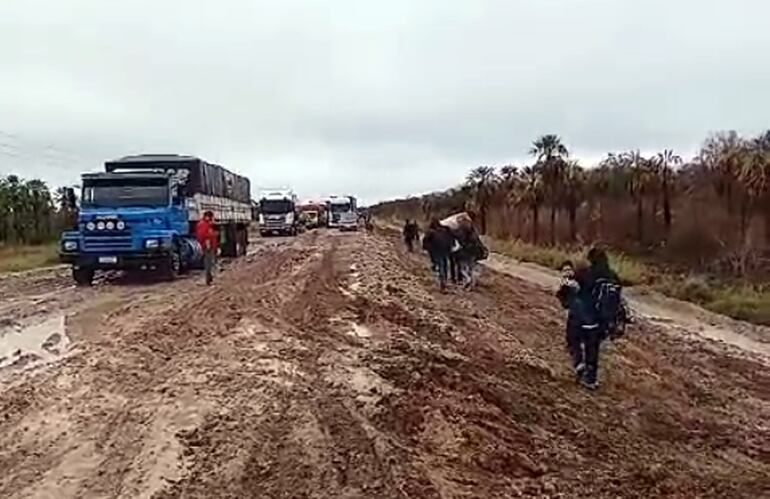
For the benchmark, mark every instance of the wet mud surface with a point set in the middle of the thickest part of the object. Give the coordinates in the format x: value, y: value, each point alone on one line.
x: 331, y: 366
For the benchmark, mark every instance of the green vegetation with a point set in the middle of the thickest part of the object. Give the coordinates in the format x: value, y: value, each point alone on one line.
x: 31, y: 217
x: 744, y: 302
x: 630, y: 271
x: 18, y: 258
x: 707, y: 216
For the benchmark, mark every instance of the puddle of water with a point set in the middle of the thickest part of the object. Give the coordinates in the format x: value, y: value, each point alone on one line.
x: 39, y: 342
x: 360, y: 331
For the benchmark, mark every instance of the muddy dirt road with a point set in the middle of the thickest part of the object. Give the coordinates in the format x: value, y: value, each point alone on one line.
x: 329, y: 366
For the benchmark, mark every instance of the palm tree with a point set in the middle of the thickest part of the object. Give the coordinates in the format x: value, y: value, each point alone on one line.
x: 664, y: 163
x: 600, y: 183
x: 508, y: 180
x: 721, y: 154
x: 574, y: 183
x: 508, y: 174
x: 755, y: 177
x: 638, y: 180
x: 481, y: 180
x: 551, y: 154
x: 531, y: 195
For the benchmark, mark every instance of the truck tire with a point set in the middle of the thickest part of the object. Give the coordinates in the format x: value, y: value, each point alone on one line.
x: 243, y: 240
x: 83, y: 276
x: 172, y: 267
x: 230, y: 246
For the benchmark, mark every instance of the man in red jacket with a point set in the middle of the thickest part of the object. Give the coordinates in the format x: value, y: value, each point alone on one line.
x: 208, y: 238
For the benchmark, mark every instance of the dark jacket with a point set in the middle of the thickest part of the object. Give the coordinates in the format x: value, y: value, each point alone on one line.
x: 438, y: 242
x: 471, y: 247
x: 587, y: 279
x: 411, y: 231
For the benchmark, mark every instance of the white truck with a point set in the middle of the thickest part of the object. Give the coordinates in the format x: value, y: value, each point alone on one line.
x: 343, y: 213
x: 278, y: 212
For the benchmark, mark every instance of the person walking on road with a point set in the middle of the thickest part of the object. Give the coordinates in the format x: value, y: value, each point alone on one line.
x: 438, y: 242
x: 594, y: 305
x: 577, y: 338
x: 470, y: 251
x: 411, y: 234
x: 208, y: 238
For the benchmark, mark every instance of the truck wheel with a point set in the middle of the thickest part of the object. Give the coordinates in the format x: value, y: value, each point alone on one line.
x: 230, y: 246
x: 243, y: 241
x: 83, y: 276
x: 172, y: 267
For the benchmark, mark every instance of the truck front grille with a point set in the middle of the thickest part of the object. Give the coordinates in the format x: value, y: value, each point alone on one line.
x: 110, y: 242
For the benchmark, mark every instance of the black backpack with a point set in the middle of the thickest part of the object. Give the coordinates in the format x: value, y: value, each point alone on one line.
x: 608, y: 305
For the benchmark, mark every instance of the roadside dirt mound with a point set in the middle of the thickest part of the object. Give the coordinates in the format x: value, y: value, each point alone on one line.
x: 332, y: 367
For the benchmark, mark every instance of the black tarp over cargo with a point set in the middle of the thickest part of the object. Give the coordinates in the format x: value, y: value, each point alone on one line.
x: 203, y: 177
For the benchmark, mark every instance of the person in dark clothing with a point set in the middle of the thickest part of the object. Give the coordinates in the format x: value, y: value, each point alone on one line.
x: 454, y: 268
x: 411, y: 234
x: 471, y: 250
x: 567, y: 294
x: 438, y: 242
x: 598, y: 292
x: 427, y: 243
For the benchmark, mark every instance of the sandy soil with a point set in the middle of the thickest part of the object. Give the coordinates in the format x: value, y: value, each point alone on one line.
x: 330, y: 366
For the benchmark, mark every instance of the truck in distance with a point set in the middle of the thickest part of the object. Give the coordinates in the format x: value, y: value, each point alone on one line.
x: 343, y: 214
x: 312, y: 214
x: 142, y: 211
x: 278, y: 212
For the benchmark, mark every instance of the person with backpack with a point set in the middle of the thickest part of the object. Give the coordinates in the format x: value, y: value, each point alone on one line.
x: 469, y: 251
x: 438, y: 242
x: 597, y: 308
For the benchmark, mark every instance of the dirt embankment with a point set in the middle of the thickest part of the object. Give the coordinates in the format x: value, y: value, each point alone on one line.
x: 331, y: 367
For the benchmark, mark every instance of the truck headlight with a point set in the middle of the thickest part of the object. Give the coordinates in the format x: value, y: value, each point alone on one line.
x: 289, y: 218
x: 100, y: 225
x: 91, y: 226
x: 70, y: 245
x: 120, y: 225
x: 110, y: 225
x: 151, y: 243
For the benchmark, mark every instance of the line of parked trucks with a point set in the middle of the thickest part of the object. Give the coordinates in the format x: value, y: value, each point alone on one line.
x: 141, y: 213
x: 280, y: 213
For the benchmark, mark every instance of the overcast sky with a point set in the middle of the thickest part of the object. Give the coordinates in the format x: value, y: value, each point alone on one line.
x: 379, y: 99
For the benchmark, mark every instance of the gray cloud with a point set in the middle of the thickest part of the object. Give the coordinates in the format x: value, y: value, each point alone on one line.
x: 379, y: 99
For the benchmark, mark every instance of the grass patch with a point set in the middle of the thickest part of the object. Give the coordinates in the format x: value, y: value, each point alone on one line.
x: 745, y: 303
x: 742, y: 301
x: 630, y: 271
x: 18, y: 258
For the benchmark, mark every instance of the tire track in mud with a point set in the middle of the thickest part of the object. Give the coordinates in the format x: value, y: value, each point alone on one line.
x: 312, y: 438
x: 150, y: 360
x: 332, y: 367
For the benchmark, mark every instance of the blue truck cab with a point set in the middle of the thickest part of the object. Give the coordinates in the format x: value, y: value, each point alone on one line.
x: 141, y: 214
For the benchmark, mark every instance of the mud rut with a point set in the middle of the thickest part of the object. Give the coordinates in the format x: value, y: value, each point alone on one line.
x: 331, y: 367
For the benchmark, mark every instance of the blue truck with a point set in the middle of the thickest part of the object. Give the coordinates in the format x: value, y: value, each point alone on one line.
x: 141, y: 213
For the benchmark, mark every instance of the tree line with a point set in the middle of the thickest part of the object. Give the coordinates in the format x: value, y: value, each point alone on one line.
x: 31, y: 214
x: 710, y: 210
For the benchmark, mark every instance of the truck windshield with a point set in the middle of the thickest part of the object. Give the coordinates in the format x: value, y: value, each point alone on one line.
x: 124, y: 195
x: 276, y: 206
x: 340, y: 208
